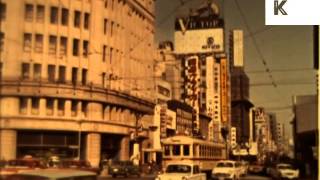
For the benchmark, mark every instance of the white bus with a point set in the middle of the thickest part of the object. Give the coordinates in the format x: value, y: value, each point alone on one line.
x: 185, y: 148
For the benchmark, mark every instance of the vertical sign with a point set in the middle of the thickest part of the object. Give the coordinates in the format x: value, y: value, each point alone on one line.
x: 224, y: 90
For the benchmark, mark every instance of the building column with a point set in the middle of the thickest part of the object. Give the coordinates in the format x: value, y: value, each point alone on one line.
x: 8, y: 144
x: 42, y: 107
x: 124, y: 148
x: 93, y: 148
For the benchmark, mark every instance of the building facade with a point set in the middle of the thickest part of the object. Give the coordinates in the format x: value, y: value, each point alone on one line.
x: 199, y: 45
x: 239, y: 88
x: 71, y: 77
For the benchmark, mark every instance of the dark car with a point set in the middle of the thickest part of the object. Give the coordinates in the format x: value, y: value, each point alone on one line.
x: 124, y: 168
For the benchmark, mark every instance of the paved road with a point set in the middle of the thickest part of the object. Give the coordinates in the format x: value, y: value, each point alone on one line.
x: 248, y: 177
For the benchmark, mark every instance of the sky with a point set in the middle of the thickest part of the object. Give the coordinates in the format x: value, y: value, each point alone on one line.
x: 287, y: 51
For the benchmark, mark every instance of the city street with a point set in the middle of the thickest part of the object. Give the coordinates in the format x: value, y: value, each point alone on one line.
x: 248, y: 177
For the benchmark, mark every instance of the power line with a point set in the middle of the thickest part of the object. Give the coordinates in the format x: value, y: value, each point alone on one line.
x: 255, y: 44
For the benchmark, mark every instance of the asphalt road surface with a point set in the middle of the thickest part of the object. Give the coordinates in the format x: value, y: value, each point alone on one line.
x: 150, y: 177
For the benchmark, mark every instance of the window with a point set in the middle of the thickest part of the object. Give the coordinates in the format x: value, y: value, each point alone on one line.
x: 54, y: 15
x: 49, y: 106
x: 74, y: 75
x: 75, y: 50
x: 25, y: 73
x: 39, y: 43
x: 85, y: 48
x: 176, y: 150
x: 3, y: 10
x: 77, y: 17
x: 61, y: 104
x: 106, y: 3
x: 111, y: 29
x: 103, y: 79
x: 37, y: 71
x: 104, y: 52
x: 84, y: 76
x: 62, y: 74
x: 84, y: 108
x: 86, y: 20
x: 112, y: 4
x: 63, y: 46
x: 105, y: 26
x: 28, y: 14
x: 64, y: 16
x: 27, y: 41
x: 23, y: 105
x: 52, y: 45
x: 186, y: 150
x: 74, y: 107
x: 111, y: 51
x: 1, y: 41
x: 167, y: 150
x: 35, y: 105
x: 40, y: 13
x: 51, y: 73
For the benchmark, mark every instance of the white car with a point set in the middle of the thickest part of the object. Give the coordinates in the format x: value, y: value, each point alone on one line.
x: 182, y: 171
x: 226, y: 169
x: 284, y: 170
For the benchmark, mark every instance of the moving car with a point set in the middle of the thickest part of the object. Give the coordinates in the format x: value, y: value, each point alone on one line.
x: 124, y: 168
x: 182, y: 171
x: 52, y: 174
x: 226, y: 169
x: 285, y: 171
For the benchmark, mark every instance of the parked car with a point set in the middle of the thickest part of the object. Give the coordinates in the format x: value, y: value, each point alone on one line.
x: 15, y: 165
x: 52, y: 174
x: 256, y: 168
x: 182, y: 171
x: 284, y: 171
x: 226, y: 169
x: 124, y: 168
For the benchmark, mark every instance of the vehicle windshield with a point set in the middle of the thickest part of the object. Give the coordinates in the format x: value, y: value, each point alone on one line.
x: 224, y: 164
x: 285, y: 166
x: 178, y: 169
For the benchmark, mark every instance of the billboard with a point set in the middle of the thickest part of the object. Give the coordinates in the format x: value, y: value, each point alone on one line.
x: 199, y: 41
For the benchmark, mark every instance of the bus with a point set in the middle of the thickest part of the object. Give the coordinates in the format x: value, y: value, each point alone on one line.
x: 204, y: 153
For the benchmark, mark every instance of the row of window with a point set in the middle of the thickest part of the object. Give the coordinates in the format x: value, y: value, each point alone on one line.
x: 36, y: 41
x: 198, y: 150
x: 51, y: 73
x: 35, y: 106
x: 37, y: 13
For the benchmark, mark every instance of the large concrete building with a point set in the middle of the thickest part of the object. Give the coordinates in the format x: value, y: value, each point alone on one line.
x: 199, y: 45
x: 73, y: 77
x: 239, y: 89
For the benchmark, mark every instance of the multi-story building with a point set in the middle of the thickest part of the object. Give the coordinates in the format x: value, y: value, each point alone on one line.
x: 239, y: 89
x: 306, y: 131
x: 73, y: 77
x: 199, y: 45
